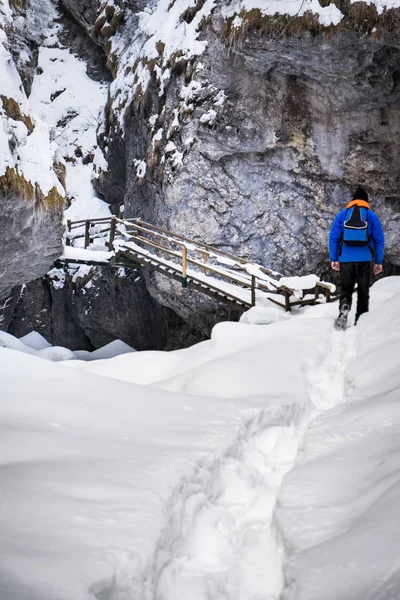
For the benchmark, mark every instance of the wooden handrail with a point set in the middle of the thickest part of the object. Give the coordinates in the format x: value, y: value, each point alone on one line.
x: 176, y: 246
x: 212, y: 249
x: 97, y: 219
x: 203, y: 266
x: 230, y: 296
x: 192, y: 261
x: 159, y: 232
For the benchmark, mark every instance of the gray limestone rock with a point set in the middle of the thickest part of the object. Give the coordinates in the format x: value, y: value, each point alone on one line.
x: 86, y: 309
x: 302, y: 123
x: 30, y: 240
x: 74, y: 36
x: 83, y: 11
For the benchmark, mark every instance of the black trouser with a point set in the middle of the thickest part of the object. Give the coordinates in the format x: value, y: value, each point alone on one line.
x: 352, y: 273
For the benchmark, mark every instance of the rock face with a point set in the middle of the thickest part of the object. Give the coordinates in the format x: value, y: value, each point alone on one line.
x: 84, y: 309
x: 31, y: 239
x: 264, y: 172
x: 74, y: 37
x: 31, y: 195
x: 84, y: 11
x: 255, y: 147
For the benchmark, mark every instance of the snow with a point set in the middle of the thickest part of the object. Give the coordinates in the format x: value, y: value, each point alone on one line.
x: 140, y: 168
x: 247, y: 466
x: 86, y: 255
x: 37, y: 157
x: 306, y: 282
x: 162, y: 23
x: 5, y: 12
x: 381, y: 5
x: 35, y: 340
x: 115, y: 348
x: 35, y: 344
x: 173, y: 154
x: 70, y: 103
x: 263, y: 315
x: 64, y: 107
x: 209, y: 117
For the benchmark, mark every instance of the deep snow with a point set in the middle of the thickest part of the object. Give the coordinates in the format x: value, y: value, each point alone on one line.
x: 261, y: 464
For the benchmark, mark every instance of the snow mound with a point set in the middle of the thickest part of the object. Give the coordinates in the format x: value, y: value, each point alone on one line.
x: 261, y: 463
x: 35, y: 341
x: 115, y: 348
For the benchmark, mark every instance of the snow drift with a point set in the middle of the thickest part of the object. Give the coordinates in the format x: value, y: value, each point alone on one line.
x: 262, y: 463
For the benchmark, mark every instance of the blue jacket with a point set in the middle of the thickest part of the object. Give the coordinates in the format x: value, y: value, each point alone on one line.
x: 342, y: 253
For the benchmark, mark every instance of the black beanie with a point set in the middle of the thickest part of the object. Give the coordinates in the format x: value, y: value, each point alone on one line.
x: 360, y: 194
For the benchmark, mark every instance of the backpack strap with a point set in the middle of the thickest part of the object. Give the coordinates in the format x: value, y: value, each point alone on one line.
x: 355, y: 221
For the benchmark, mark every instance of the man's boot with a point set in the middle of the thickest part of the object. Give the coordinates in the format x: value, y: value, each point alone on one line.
x: 341, y: 321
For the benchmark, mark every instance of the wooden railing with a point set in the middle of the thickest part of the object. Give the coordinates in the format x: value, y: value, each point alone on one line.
x: 134, y: 236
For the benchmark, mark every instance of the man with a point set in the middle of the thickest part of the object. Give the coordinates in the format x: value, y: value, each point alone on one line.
x: 356, y: 236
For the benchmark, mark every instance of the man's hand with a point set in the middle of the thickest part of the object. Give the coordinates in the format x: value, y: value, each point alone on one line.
x: 377, y: 269
x: 336, y: 265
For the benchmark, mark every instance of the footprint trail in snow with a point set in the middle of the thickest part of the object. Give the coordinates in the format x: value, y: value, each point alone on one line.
x: 229, y: 546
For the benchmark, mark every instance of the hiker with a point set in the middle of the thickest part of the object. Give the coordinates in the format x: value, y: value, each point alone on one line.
x: 356, y: 237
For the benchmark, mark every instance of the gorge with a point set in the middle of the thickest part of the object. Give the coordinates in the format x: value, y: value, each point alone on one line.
x: 226, y: 121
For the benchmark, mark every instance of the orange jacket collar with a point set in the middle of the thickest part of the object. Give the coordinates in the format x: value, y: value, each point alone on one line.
x: 359, y: 203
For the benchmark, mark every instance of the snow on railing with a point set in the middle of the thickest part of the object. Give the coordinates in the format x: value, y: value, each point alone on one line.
x: 113, y: 237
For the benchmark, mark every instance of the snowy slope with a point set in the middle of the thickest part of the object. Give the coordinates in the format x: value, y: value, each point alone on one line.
x: 260, y: 464
x: 64, y: 97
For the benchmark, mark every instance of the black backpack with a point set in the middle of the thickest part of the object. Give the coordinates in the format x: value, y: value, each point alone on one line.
x: 355, y: 227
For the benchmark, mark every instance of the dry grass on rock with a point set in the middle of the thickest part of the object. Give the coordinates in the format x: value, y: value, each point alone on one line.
x: 13, y: 111
x: 361, y: 17
x: 13, y: 183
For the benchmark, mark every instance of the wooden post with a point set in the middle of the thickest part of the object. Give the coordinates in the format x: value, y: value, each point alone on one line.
x: 68, y: 241
x: 204, y: 256
x: 87, y: 238
x: 112, y: 233
x: 287, y: 300
x: 184, y: 267
x: 253, y: 290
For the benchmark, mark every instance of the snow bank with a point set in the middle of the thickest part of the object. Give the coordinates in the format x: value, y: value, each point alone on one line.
x: 35, y: 341
x: 35, y: 344
x: 338, y: 506
x: 115, y: 348
x: 250, y: 465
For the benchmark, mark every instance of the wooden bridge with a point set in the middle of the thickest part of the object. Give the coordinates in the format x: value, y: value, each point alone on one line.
x: 223, y: 276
